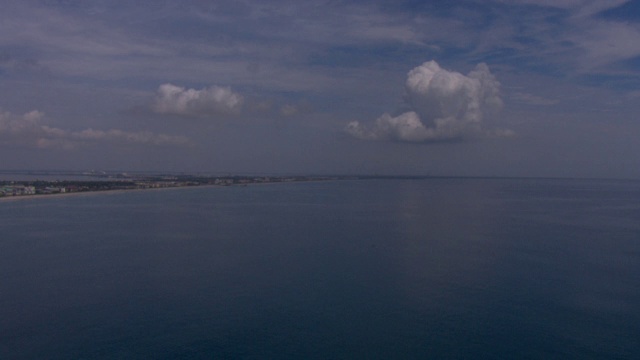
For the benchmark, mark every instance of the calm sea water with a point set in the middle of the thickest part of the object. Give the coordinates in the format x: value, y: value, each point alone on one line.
x: 375, y: 269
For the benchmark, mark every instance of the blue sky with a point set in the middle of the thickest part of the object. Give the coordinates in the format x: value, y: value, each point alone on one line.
x: 478, y: 88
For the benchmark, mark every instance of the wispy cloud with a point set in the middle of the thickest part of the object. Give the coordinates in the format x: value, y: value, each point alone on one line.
x: 568, y: 34
x: 578, y: 7
x: 605, y: 43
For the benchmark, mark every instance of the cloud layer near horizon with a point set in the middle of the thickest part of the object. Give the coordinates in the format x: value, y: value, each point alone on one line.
x: 27, y: 130
x: 445, y: 105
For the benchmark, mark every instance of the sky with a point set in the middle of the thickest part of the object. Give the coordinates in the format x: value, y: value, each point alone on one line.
x: 444, y: 88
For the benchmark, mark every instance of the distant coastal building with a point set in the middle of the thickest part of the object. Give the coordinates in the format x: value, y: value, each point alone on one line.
x: 53, y: 190
x: 17, y: 190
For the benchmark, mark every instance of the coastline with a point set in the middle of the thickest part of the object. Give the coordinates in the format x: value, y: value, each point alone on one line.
x: 92, y: 193
x: 119, y: 191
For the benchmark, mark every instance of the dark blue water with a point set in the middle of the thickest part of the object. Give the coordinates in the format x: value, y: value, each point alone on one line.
x: 375, y: 269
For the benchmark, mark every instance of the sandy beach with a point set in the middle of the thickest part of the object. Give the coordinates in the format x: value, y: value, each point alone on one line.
x: 91, y: 193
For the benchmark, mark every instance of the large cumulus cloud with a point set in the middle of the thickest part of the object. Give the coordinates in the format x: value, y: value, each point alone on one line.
x: 215, y: 100
x: 445, y: 105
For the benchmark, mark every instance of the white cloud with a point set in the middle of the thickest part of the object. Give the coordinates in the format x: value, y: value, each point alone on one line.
x: 28, y: 130
x: 405, y: 127
x: 11, y: 125
x: 215, y: 100
x: 606, y: 42
x: 580, y: 7
x: 437, y: 93
x: 445, y: 105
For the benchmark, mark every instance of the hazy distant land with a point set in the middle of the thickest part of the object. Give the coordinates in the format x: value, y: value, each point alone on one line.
x: 57, y: 183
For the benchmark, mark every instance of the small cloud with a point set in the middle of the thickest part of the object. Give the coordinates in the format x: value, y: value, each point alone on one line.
x: 445, y: 105
x: 28, y: 130
x: 215, y: 100
x: 288, y: 110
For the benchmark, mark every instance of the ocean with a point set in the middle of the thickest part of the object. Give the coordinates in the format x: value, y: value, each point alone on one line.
x: 441, y: 268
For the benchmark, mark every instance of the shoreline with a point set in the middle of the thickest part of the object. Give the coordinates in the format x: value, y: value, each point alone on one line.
x: 119, y: 191
x: 90, y: 193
